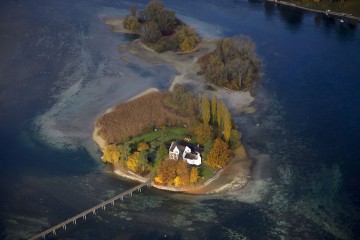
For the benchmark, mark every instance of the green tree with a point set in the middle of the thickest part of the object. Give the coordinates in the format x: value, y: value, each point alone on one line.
x: 207, y: 149
x: 219, y: 154
x: 125, y: 151
x: 203, y: 133
x: 205, y: 109
x: 161, y: 153
x: 150, y: 32
x: 235, y: 139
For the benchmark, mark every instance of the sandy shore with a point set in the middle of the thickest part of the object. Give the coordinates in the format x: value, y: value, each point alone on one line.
x: 237, y: 172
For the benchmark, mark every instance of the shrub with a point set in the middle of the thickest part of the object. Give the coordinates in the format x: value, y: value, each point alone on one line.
x: 131, y: 23
x: 188, y: 38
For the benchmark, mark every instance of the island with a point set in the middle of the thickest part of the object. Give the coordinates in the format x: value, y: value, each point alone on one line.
x: 181, y: 139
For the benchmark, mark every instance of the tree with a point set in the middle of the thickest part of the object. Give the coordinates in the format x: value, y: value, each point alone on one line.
x: 219, y: 154
x: 153, y: 8
x: 166, y: 20
x: 125, y: 151
x: 166, y: 172
x: 207, y: 149
x: 133, y: 161
x: 142, y: 147
x: 205, y: 109
x: 182, y: 172
x: 219, y: 106
x: 203, y: 133
x: 227, y: 124
x: 131, y: 23
x: 142, y: 164
x: 161, y: 153
x: 111, y: 154
x: 188, y: 38
x: 194, y: 175
x: 150, y: 32
x: 213, y: 109
x: 235, y: 139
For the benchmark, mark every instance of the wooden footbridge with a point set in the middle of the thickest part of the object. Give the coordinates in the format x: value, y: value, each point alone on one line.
x: 93, y: 210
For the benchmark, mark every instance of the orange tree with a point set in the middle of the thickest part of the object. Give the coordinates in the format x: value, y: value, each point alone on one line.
x: 219, y: 154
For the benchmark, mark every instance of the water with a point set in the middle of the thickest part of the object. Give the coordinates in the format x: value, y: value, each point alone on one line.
x: 60, y: 69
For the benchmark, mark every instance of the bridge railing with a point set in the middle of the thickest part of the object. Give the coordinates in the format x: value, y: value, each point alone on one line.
x: 83, y: 214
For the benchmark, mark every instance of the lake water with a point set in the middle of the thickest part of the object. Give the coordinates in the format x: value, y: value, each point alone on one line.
x: 60, y: 69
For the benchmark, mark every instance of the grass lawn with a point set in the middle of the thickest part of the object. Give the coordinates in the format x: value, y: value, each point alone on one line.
x: 206, y: 171
x: 163, y: 135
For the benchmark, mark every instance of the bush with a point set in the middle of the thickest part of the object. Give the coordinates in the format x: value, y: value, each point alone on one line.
x: 150, y: 32
x: 168, y: 43
x: 131, y: 23
x: 188, y: 38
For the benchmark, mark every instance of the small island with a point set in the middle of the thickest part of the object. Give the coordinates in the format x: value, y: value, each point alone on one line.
x: 179, y: 140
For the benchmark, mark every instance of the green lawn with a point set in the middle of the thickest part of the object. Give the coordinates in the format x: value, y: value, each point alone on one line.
x: 206, y: 171
x: 163, y: 135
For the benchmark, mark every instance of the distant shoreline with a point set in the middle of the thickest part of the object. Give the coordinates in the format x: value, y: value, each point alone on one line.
x: 327, y: 13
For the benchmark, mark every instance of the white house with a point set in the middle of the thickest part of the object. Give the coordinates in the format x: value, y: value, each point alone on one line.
x: 190, y: 156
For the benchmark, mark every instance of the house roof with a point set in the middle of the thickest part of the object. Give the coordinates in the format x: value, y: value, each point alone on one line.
x: 191, y: 156
x: 181, y: 146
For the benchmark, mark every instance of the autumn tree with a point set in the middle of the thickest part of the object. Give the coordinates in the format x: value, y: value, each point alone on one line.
x: 182, y: 172
x: 194, y: 175
x: 166, y: 172
x: 205, y: 109
x: 142, y: 147
x: 111, y: 154
x: 188, y: 38
x: 227, y: 124
x: 207, y: 149
x: 203, y: 133
x: 131, y: 23
x: 213, y: 109
x: 149, y: 32
x: 219, y: 119
x: 152, y: 10
x: 133, y: 161
x: 142, y: 164
x: 219, y: 154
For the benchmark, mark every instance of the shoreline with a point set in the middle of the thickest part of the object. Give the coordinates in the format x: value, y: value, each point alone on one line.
x: 327, y: 13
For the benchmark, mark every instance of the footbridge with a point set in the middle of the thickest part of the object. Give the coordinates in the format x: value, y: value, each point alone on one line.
x: 92, y: 210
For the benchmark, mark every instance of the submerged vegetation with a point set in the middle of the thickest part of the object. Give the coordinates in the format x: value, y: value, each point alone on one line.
x: 178, y: 116
x: 160, y: 29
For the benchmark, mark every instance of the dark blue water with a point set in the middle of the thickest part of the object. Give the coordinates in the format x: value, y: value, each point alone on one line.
x: 59, y: 69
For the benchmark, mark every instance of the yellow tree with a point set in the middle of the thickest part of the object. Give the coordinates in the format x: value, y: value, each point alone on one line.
x: 182, y: 172
x: 194, y: 175
x: 111, y: 154
x: 203, y: 133
x: 205, y: 109
x: 133, y: 162
x: 219, y: 107
x: 213, y: 109
x: 227, y: 125
x: 142, y: 147
x: 188, y: 38
x: 219, y: 154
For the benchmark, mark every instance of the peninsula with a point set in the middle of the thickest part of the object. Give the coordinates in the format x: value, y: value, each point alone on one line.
x: 184, y: 139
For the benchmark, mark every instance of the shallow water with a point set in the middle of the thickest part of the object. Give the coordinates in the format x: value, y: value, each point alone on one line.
x: 60, y: 69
